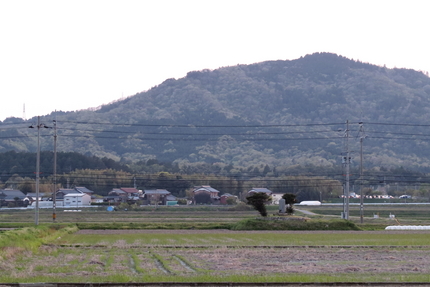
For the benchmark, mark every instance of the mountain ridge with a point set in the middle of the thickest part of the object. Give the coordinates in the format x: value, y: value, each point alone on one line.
x: 274, y: 112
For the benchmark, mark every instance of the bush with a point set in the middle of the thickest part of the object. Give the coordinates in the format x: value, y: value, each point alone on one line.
x: 290, y: 199
x: 241, y: 206
x: 294, y: 223
x: 182, y: 201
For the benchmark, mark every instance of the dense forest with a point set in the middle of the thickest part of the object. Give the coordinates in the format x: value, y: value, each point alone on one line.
x: 274, y: 118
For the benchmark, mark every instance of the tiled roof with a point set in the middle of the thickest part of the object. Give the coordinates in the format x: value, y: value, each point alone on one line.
x: 68, y: 190
x: 156, y: 191
x: 129, y: 189
x: 205, y: 187
x: 117, y: 191
x: 11, y: 194
x: 265, y: 190
x: 83, y: 189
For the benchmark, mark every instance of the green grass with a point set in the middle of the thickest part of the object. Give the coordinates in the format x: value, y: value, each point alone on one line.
x: 31, y: 238
x: 128, y: 257
x: 260, y: 278
x: 293, y: 223
x: 239, y: 238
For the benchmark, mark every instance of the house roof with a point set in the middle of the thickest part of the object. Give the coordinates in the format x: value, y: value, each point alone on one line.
x: 264, y: 190
x: 68, y: 190
x: 157, y: 191
x: 75, y: 194
x: 9, y: 194
x: 205, y: 188
x: 129, y: 189
x: 83, y: 189
x: 117, y: 191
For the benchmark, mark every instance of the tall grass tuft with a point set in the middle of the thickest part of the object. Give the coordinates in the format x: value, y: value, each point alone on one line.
x: 30, y: 238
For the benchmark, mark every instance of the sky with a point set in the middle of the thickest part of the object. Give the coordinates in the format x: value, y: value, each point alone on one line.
x: 72, y: 55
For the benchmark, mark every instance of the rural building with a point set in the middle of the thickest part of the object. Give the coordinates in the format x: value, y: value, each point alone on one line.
x: 206, y: 189
x: 76, y: 200
x: 263, y: 190
x: 83, y: 189
x: 225, y: 196
x: 79, y: 189
x: 123, y: 194
x: 156, y: 196
x: 11, y: 197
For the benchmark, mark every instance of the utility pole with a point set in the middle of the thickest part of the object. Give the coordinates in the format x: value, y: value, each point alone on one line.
x: 54, y: 198
x: 347, y: 162
x: 362, y: 136
x: 36, y: 210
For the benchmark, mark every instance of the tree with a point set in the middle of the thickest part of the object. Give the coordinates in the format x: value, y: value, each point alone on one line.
x: 258, y: 201
x: 231, y: 200
x: 290, y: 199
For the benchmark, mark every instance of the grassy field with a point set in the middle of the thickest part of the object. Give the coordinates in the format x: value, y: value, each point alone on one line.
x: 59, y: 253
x: 223, y: 256
x: 404, y: 213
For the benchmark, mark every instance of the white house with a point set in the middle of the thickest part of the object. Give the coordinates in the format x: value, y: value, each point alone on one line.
x: 76, y: 200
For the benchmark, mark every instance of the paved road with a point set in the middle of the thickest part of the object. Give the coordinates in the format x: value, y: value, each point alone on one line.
x: 306, y: 212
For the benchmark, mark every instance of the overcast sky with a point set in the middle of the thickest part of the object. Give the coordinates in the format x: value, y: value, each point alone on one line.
x: 72, y: 55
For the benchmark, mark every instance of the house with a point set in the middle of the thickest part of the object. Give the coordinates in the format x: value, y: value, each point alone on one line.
x: 206, y: 189
x: 83, y: 189
x: 132, y: 192
x: 171, y: 200
x: 264, y: 190
x: 225, y: 196
x: 64, y: 191
x: 76, y: 200
x: 123, y: 194
x: 116, y: 195
x: 95, y: 198
x: 11, y: 197
x: 213, y: 193
x: 156, y: 196
x: 31, y: 197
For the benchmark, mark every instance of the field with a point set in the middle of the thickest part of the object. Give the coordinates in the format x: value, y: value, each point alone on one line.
x: 219, y: 255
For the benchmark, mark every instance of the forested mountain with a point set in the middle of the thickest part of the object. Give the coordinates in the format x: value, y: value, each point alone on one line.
x: 275, y: 113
